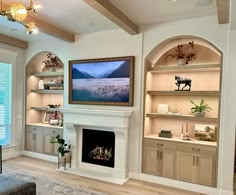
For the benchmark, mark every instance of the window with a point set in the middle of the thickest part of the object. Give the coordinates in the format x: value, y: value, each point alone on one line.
x: 5, y: 103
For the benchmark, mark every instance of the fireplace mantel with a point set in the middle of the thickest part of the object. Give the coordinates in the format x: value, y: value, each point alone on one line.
x: 108, y: 118
x: 117, y: 121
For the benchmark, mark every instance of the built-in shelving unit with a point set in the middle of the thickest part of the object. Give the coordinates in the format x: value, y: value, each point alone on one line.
x: 162, y: 156
x: 44, y: 89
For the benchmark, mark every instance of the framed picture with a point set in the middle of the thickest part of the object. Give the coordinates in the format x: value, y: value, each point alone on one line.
x: 104, y: 81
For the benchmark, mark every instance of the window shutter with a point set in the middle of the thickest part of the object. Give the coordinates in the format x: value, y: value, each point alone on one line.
x: 5, y: 103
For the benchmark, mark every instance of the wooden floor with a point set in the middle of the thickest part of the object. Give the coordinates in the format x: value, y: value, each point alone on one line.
x: 37, y: 167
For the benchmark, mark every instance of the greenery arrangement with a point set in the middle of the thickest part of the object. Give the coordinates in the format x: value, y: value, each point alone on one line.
x: 63, y: 147
x: 187, y: 52
x: 202, y: 108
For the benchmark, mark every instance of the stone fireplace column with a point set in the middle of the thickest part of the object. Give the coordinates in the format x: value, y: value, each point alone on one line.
x: 121, y: 153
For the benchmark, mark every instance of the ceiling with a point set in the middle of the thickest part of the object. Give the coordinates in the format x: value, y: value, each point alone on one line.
x: 76, y: 16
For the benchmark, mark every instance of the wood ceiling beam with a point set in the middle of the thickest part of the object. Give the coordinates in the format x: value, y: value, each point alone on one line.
x: 114, y: 14
x: 48, y: 29
x: 223, y: 11
x: 13, y: 41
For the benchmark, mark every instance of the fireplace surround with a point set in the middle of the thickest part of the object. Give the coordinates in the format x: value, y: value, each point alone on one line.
x: 75, y: 120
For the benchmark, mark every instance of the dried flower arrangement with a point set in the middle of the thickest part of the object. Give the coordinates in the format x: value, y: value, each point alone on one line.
x: 187, y: 52
x: 52, y: 62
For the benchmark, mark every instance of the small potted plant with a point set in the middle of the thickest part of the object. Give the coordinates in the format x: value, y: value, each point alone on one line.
x: 199, y: 110
x: 184, y: 53
x: 63, y: 149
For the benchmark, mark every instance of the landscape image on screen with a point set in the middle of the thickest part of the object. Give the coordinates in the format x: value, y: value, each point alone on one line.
x: 101, y: 81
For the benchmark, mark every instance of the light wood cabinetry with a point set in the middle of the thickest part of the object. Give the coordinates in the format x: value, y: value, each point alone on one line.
x: 38, y: 139
x: 159, y: 158
x: 197, y: 164
x: 39, y: 132
x: 183, y: 163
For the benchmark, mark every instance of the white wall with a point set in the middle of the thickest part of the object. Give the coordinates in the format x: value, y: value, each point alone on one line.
x: 118, y: 43
x: 18, y: 106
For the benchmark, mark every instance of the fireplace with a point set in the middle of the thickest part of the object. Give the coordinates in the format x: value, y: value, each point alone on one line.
x: 98, y: 147
x: 111, y: 124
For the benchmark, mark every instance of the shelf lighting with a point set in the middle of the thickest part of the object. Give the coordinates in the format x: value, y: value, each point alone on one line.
x: 17, y: 12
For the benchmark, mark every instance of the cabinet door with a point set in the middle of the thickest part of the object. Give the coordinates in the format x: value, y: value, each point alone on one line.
x: 29, y: 141
x: 48, y: 147
x: 168, y: 163
x: 185, y: 166
x: 151, y: 161
x: 39, y: 143
x: 206, y: 170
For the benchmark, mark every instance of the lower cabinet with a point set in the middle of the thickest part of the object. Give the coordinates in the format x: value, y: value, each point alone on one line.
x: 34, y: 139
x: 159, y: 159
x: 196, y: 164
x: 38, y: 139
x: 186, y: 162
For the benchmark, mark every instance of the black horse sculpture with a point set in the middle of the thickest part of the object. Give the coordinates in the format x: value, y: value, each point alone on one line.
x: 185, y: 81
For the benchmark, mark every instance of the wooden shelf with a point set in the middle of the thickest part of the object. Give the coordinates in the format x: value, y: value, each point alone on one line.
x: 182, y: 117
x: 183, y: 93
x: 45, y: 125
x: 53, y: 85
x: 46, y: 74
x: 187, y: 68
x: 45, y: 109
x: 48, y: 91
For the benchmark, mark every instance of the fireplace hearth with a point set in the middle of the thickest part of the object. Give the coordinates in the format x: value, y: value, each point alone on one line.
x: 98, y: 147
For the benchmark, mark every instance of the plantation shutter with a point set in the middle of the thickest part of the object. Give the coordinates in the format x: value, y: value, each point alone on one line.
x: 5, y: 103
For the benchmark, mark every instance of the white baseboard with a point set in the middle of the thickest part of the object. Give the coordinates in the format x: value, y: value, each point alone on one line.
x: 11, y: 155
x: 179, y: 184
x: 40, y: 156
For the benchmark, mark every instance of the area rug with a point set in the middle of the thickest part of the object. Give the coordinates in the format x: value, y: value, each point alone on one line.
x: 45, y: 186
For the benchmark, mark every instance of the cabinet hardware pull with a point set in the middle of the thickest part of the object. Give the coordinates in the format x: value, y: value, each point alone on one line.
x: 197, y: 160
x: 193, y: 160
x: 158, y: 144
x: 160, y: 155
x: 157, y: 155
x: 195, y: 149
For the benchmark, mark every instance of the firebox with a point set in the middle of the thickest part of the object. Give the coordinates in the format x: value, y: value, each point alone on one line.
x: 98, y: 147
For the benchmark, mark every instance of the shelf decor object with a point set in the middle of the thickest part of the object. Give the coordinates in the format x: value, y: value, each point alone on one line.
x: 184, y: 53
x: 185, y: 81
x: 104, y: 81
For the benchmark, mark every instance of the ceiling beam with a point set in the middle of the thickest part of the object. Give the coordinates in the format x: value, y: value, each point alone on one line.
x: 48, y: 29
x: 13, y: 41
x: 223, y: 11
x: 114, y: 14
x: 51, y: 30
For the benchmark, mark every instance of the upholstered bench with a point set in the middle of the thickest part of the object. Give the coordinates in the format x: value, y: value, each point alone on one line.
x: 13, y: 186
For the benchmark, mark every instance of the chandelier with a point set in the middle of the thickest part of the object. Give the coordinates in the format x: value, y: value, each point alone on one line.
x: 17, y: 12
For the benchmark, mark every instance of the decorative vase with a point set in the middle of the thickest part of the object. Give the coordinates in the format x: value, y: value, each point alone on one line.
x: 180, y: 62
x: 52, y: 69
x: 199, y: 114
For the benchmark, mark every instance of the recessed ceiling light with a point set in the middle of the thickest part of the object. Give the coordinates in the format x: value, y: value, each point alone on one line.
x: 203, y: 3
x: 172, y: 0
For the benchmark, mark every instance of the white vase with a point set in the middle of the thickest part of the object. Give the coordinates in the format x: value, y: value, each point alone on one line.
x: 180, y: 62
